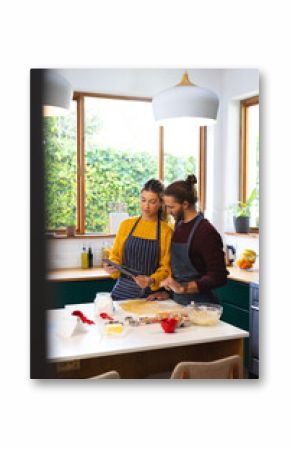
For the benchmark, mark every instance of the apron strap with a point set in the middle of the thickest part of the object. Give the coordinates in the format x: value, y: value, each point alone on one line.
x: 198, y: 219
x: 134, y: 226
x: 158, y: 242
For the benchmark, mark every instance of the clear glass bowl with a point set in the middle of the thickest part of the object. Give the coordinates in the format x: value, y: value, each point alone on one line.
x: 204, y: 314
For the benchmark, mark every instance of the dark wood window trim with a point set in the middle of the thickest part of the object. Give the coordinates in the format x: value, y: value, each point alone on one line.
x: 79, y: 97
x: 243, y: 144
x: 80, y: 165
x: 109, y: 96
x: 244, y: 105
x: 161, y: 154
x: 202, y: 167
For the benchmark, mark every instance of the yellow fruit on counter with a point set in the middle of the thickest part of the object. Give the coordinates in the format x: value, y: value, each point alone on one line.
x: 249, y: 252
x: 250, y: 255
x: 251, y: 259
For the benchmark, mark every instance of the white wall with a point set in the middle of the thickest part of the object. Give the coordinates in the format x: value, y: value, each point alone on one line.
x: 242, y: 243
x: 137, y: 82
x: 66, y: 253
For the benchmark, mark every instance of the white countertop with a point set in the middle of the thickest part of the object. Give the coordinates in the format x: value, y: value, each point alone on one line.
x: 93, y: 343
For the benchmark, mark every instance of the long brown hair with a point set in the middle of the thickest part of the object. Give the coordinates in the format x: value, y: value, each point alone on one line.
x: 156, y: 186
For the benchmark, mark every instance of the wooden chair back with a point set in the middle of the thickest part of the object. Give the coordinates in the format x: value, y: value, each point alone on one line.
x: 107, y: 375
x: 227, y: 368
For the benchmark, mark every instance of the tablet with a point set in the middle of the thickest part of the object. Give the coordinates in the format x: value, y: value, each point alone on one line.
x: 122, y: 268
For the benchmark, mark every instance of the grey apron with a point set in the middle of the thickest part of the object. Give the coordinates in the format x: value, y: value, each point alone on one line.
x: 141, y: 256
x: 183, y: 271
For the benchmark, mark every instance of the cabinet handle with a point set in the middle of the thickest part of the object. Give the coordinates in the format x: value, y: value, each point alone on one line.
x: 255, y: 308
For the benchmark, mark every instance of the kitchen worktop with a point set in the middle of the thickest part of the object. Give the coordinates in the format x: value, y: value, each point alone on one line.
x: 79, y: 274
x: 93, y: 343
x: 247, y: 276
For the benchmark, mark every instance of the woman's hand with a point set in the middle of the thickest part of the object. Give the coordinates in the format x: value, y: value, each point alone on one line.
x: 109, y: 269
x: 143, y: 281
x: 158, y: 295
x: 171, y: 284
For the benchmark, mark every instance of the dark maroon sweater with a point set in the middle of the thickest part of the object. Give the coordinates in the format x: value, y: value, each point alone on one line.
x: 206, y: 253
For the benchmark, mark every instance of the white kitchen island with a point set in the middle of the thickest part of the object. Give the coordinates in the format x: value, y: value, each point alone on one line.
x: 141, y: 352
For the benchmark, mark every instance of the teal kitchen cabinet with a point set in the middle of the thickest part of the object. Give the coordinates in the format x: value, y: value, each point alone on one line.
x: 76, y: 292
x: 235, y: 299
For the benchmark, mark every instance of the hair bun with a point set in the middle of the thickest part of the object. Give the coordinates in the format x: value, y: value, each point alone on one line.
x: 191, y: 180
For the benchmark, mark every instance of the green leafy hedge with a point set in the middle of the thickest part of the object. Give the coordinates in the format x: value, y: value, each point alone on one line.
x: 110, y: 176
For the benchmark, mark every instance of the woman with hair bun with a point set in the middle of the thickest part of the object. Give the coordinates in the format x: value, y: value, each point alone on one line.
x: 142, y: 244
x: 197, y: 257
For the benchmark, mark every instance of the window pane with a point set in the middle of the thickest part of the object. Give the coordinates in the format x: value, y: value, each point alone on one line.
x: 181, y: 150
x: 253, y: 159
x: 121, y: 147
x: 60, y: 158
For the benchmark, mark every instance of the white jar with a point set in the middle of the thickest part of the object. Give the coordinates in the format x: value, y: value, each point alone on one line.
x: 103, y: 303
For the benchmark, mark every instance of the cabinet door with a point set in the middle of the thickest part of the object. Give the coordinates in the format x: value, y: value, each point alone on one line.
x: 236, y: 293
x: 240, y: 318
x: 236, y: 316
x: 77, y: 292
x: 235, y: 299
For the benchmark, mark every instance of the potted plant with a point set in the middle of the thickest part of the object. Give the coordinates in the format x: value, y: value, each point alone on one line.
x: 242, y: 212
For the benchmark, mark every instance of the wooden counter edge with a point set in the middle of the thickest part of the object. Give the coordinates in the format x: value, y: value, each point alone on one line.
x: 78, y: 274
x: 239, y: 275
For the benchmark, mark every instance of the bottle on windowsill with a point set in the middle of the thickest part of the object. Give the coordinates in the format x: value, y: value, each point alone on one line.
x: 84, y: 258
x: 90, y: 257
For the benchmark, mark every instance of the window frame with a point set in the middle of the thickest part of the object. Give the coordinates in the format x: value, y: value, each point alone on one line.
x: 79, y: 97
x: 243, y: 175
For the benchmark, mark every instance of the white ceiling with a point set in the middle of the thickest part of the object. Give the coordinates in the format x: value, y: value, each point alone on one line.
x: 137, y: 81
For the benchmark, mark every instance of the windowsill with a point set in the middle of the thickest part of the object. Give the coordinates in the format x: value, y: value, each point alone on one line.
x: 252, y: 235
x: 79, y: 236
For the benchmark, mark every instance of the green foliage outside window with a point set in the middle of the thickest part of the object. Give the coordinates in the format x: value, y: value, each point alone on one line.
x: 110, y: 175
x: 60, y: 180
x: 114, y: 176
x: 176, y: 168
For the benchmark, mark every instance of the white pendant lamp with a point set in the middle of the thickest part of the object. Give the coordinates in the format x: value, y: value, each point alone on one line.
x: 186, y: 100
x: 57, y: 94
